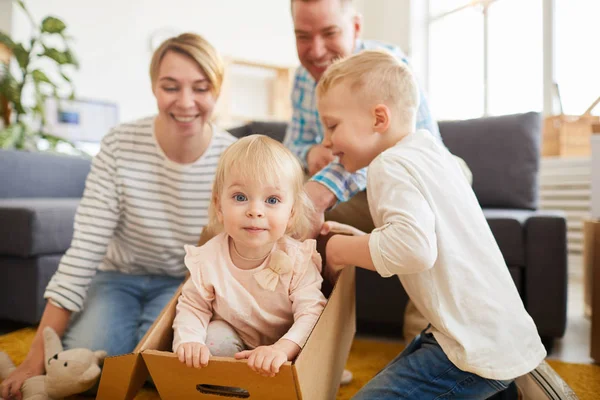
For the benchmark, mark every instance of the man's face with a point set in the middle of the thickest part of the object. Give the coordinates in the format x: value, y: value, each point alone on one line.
x: 325, y: 30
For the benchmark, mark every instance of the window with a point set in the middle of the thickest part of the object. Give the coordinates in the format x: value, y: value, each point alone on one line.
x: 577, y: 56
x: 485, y: 57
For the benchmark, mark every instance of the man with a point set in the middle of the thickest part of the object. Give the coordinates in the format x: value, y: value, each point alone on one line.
x: 326, y: 30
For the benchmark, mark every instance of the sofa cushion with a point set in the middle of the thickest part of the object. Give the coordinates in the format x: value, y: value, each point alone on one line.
x: 31, y: 227
x: 508, y: 229
x: 274, y: 129
x: 503, y: 154
x: 39, y: 174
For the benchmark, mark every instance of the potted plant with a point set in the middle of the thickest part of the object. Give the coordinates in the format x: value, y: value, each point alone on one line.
x: 24, y: 120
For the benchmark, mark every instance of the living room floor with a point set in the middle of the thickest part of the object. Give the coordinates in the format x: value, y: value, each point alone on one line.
x: 574, y: 347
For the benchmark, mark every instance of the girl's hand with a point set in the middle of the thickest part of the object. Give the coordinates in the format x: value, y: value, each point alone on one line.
x: 193, y: 354
x: 264, y: 360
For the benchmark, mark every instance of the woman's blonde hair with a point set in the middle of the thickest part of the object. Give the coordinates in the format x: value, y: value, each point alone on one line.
x: 375, y: 76
x: 199, y: 50
x: 258, y: 157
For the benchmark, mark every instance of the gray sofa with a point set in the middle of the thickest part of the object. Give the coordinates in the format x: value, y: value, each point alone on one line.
x: 503, y: 154
x: 39, y: 193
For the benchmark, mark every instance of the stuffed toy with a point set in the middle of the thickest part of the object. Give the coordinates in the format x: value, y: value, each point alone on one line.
x: 68, y: 372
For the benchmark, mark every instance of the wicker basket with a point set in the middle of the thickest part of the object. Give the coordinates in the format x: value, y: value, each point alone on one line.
x: 569, y: 135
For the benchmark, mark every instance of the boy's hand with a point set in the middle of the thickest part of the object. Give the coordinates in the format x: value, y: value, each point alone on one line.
x: 264, y: 360
x: 193, y: 354
x: 317, y: 158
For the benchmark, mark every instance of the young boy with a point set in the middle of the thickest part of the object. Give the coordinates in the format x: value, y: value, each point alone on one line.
x: 431, y: 233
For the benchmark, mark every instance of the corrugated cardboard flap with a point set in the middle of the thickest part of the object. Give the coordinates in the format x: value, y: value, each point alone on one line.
x: 329, y: 343
x: 174, y: 380
x: 122, y: 377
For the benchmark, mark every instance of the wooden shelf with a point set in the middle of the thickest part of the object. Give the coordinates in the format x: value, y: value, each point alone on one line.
x: 275, y: 89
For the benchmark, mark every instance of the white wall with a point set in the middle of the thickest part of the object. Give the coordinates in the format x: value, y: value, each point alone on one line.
x: 400, y: 22
x: 5, y: 15
x: 388, y: 21
x: 112, y: 39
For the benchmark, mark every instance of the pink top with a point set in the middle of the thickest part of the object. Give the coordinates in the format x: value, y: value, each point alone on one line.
x: 263, y: 304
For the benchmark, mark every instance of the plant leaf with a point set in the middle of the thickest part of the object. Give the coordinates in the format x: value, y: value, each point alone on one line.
x: 71, y: 58
x: 38, y: 76
x: 56, y: 55
x: 52, y: 25
x: 65, y: 77
x: 22, y: 55
x: 9, y: 87
x: 6, y: 40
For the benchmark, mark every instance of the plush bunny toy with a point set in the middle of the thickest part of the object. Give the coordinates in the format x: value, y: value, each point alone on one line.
x: 68, y: 372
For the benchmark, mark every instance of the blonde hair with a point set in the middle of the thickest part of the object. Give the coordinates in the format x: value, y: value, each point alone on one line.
x: 377, y: 77
x: 199, y: 50
x: 258, y: 157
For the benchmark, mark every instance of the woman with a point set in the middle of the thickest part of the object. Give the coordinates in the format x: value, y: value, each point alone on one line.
x: 146, y: 195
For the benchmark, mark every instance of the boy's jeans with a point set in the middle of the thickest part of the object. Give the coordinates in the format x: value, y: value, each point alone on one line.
x: 118, y: 311
x: 422, y: 371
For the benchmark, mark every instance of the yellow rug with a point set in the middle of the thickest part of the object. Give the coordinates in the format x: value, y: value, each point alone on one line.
x: 366, y: 358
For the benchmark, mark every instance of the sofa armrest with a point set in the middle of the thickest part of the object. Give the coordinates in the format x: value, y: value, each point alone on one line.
x: 546, y: 271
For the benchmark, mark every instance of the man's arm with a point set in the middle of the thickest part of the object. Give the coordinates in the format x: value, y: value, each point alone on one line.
x: 300, y: 136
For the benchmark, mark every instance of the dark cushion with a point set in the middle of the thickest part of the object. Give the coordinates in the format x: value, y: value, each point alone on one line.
x: 508, y: 229
x: 31, y: 227
x: 39, y: 174
x: 503, y: 154
x: 273, y: 129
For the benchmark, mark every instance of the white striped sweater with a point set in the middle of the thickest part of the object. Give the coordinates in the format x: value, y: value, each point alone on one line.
x: 138, y: 210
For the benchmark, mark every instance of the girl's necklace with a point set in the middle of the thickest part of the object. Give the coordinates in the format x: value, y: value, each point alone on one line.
x: 247, y: 258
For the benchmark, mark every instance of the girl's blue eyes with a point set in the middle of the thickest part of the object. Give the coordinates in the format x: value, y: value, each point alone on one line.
x: 271, y: 200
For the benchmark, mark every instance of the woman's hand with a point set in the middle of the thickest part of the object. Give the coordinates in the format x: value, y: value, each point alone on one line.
x: 11, y: 386
x: 266, y: 360
x: 193, y: 354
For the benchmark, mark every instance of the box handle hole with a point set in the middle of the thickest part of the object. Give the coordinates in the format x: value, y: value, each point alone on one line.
x: 226, y: 391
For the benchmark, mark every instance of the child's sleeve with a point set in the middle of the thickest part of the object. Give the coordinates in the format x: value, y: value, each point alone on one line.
x: 305, y: 293
x: 194, y: 307
x: 406, y: 243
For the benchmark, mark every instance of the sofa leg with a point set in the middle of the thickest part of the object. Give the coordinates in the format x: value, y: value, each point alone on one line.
x: 548, y: 343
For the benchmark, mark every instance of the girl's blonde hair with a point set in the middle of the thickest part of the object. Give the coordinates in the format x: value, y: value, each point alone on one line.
x: 258, y: 157
x: 199, y: 50
x: 377, y: 77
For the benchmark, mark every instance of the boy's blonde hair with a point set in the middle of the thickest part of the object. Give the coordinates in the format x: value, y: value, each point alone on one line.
x: 258, y: 157
x: 199, y: 50
x: 375, y: 76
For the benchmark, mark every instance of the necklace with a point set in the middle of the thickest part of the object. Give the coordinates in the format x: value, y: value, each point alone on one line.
x: 247, y: 258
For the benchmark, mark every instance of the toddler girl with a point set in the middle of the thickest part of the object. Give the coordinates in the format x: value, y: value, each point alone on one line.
x: 255, y: 288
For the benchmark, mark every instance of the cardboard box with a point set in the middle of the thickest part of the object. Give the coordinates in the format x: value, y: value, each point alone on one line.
x: 591, y: 260
x: 314, y: 375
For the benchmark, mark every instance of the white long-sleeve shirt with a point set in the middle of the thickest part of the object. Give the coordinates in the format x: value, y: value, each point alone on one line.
x: 431, y: 233
x: 137, y: 210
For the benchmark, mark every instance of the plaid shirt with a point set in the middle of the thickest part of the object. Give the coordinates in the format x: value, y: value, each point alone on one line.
x: 306, y: 129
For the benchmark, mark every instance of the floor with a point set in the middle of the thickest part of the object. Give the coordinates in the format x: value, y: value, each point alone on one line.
x: 574, y: 347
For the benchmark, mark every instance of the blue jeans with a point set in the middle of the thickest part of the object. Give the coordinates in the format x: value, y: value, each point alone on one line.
x: 118, y: 311
x: 422, y: 371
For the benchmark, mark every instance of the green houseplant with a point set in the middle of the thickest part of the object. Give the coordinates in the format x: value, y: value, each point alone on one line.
x: 48, y: 46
